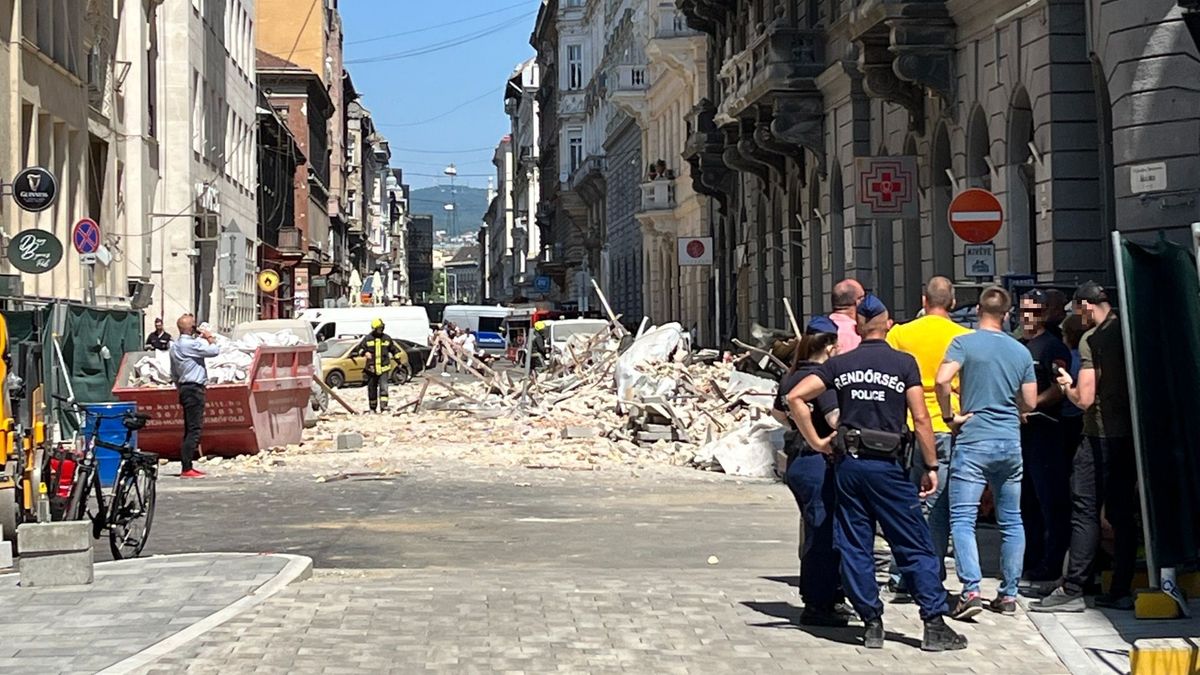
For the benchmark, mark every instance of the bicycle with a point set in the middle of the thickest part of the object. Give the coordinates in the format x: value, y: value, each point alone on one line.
x: 129, y: 512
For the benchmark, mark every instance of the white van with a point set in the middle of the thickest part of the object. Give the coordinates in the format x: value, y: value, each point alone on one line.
x: 402, y: 322
x: 487, y: 321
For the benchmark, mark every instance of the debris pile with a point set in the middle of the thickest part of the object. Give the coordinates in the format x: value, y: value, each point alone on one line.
x: 648, y: 401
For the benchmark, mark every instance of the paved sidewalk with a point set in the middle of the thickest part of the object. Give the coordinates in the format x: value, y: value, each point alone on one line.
x: 135, y: 607
x: 1099, y: 640
x: 594, y: 621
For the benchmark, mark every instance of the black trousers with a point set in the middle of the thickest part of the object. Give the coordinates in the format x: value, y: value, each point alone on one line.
x: 191, y: 398
x: 1045, y: 498
x: 1105, y: 476
x: 377, y: 394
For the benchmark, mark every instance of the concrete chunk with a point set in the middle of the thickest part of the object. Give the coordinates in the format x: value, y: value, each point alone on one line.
x: 580, y: 432
x: 349, y: 441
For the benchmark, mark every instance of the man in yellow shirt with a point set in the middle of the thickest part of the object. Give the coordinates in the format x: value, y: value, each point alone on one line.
x: 926, y: 339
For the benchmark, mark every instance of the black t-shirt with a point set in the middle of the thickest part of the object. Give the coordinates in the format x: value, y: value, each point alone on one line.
x: 159, y: 340
x: 1049, y: 354
x: 871, y: 384
x: 822, y: 405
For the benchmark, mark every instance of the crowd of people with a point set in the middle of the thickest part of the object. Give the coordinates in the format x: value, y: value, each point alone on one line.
x: 905, y: 428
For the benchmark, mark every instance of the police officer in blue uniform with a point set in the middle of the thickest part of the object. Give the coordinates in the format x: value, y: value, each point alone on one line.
x: 877, y: 387
x: 810, y: 478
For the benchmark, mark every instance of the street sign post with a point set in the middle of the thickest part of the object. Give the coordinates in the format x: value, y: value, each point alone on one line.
x: 34, y: 251
x: 695, y: 251
x: 979, y: 260
x: 86, y: 236
x: 34, y: 189
x: 976, y: 215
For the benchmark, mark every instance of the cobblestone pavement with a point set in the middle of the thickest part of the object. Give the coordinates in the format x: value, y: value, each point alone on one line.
x: 131, y: 606
x: 647, y: 621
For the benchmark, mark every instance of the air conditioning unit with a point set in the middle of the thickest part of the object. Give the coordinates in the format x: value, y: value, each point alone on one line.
x: 142, y: 296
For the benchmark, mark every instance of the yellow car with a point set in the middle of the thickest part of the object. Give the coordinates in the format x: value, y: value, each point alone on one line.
x: 339, y: 370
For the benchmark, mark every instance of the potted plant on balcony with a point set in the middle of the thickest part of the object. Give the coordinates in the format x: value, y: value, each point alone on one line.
x: 651, y: 171
x: 662, y: 168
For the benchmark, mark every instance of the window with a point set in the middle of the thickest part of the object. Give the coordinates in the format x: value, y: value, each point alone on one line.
x: 574, y: 3
x: 574, y: 66
x: 575, y: 148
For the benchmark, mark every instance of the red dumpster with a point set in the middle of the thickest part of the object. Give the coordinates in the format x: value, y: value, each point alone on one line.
x: 265, y: 411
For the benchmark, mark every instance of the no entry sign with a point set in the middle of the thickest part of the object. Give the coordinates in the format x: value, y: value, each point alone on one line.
x: 976, y: 215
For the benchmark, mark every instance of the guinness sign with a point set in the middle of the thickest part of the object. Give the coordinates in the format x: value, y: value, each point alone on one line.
x: 34, y: 189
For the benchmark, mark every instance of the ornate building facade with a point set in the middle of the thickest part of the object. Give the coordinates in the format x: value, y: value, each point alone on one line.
x: 1046, y: 104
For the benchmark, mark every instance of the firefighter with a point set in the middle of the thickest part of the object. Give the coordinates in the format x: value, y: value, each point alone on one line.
x: 381, y: 352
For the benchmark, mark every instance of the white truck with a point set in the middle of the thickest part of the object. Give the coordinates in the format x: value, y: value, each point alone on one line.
x: 402, y: 322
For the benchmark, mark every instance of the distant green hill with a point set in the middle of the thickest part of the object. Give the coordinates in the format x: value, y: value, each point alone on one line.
x: 472, y: 205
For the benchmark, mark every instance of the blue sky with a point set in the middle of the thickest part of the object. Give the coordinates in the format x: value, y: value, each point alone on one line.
x: 418, y: 87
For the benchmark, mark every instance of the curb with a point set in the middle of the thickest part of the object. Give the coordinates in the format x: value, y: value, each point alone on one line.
x: 298, y: 568
x: 1064, y: 644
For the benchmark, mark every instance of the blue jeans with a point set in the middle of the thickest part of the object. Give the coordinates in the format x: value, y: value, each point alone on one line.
x: 936, y: 506
x: 974, y: 466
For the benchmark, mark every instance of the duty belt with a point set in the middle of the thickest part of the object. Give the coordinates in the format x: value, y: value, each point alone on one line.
x: 872, y: 444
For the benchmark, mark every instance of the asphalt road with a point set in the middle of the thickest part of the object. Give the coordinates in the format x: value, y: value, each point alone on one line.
x: 469, y: 517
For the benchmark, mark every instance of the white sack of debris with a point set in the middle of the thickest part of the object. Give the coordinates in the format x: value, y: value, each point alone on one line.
x: 749, y: 450
x: 658, y: 345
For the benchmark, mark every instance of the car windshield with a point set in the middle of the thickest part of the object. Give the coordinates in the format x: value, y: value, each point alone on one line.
x: 338, y: 349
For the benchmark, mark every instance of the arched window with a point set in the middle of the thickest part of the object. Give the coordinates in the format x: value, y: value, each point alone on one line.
x: 978, y: 146
x: 837, y: 225
x: 911, y: 238
x: 816, y: 260
x: 1107, y: 188
x: 1022, y: 188
x: 942, y: 191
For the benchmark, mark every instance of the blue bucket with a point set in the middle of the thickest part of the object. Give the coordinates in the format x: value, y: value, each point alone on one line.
x: 112, y: 430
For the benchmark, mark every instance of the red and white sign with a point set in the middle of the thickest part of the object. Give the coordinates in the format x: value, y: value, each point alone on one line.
x: 695, y: 251
x: 887, y: 188
x: 976, y: 216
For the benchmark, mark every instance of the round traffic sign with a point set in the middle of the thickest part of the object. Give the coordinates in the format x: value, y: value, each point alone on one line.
x: 976, y: 215
x: 86, y: 236
x: 695, y: 248
x: 34, y: 189
x: 268, y: 281
x: 34, y: 251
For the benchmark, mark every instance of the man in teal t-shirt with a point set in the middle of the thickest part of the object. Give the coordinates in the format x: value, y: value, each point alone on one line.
x: 996, y: 386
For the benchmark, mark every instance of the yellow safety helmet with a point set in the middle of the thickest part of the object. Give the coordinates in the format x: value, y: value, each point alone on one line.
x: 377, y: 324
x: 539, y: 326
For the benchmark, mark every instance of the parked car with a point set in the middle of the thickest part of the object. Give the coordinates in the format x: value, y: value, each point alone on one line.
x: 338, y: 369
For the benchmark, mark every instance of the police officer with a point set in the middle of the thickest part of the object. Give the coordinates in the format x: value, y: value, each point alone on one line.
x: 810, y: 478
x: 877, y: 387
x: 381, y: 351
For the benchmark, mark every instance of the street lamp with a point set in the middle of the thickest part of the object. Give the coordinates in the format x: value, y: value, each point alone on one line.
x: 452, y: 172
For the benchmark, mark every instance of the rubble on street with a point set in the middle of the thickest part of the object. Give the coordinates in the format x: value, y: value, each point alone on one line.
x: 652, y: 403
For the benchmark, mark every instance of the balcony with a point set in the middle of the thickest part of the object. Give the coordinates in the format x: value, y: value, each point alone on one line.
x: 672, y: 23
x: 630, y: 78
x: 627, y: 91
x: 658, y: 195
x: 290, y: 242
x: 780, y: 59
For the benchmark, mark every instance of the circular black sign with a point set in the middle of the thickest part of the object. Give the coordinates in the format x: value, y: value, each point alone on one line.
x: 34, y: 251
x: 34, y: 189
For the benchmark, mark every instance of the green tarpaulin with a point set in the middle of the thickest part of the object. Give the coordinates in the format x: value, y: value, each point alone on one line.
x: 1162, y: 307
